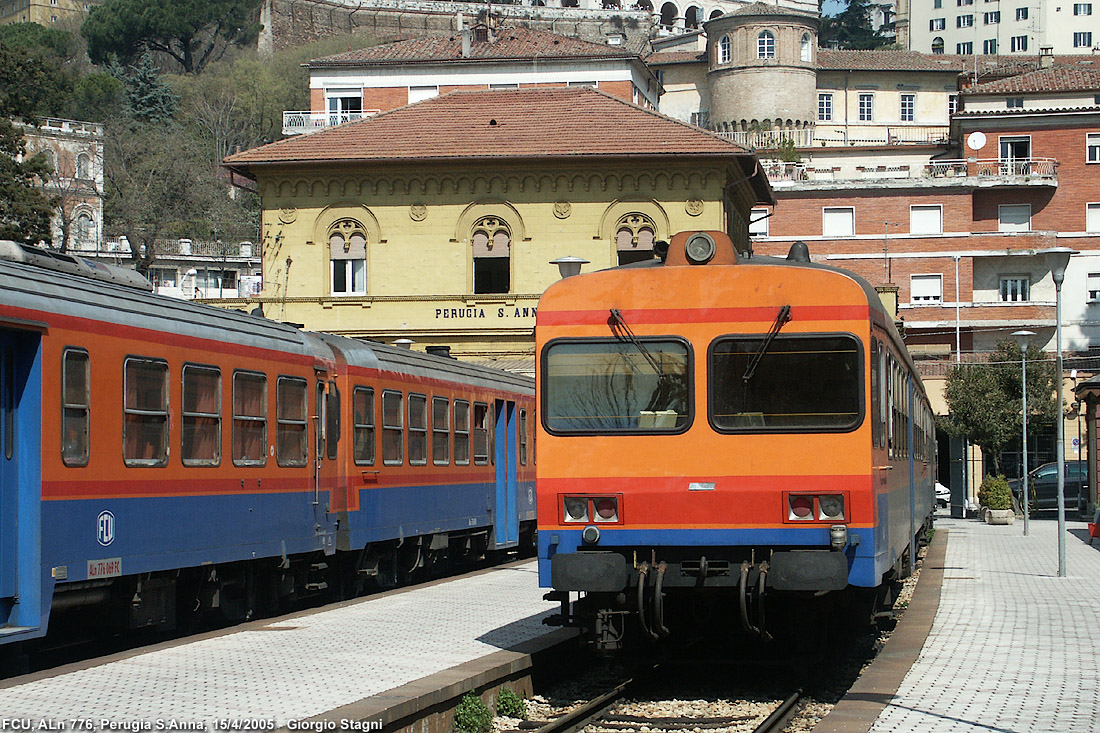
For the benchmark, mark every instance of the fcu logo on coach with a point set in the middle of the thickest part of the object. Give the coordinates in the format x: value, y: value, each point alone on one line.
x: 105, y: 528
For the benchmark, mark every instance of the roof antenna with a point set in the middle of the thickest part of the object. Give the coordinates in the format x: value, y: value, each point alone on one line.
x: 799, y: 252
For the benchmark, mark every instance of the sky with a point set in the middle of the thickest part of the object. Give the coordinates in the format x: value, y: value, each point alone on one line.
x: 832, y: 7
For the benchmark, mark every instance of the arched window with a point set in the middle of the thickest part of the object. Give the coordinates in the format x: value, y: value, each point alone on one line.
x: 347, y: 243
x: 693, y: 17
x: 634, y: 238
x: 492, y: 241
x: 669, y: 14
x: 807, y: 47
x: 84, y: 166
x: 715, y: 14
x: 765, y: 45
x: 85, y: 227
x: 937, y: 45
x: 724, y: 50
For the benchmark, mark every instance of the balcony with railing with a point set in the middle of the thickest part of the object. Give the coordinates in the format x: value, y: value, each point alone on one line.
x: 856, y: 135
x: 301, y: 122
x: 958, y: 172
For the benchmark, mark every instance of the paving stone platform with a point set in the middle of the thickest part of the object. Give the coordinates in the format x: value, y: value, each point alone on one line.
x: 1013, y: 647
x: 301, y: 666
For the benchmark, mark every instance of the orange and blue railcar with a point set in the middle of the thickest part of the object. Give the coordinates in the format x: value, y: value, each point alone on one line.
x: 716, y: 429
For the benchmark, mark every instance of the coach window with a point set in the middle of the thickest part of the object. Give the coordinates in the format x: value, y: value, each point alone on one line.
x: 332, y: 420
x: 348, y: 254
x: 522, y: 437
x: 634, y: 238
x: 481, y: 433
x: 492, y: 242
x: 462, y: 433
x: 393, y: 428
x: 640, y: 385
x: 441, y: 431
x: 362, y: 407
x: 418, y: 430
x: 792, y: 383
x: 76, y: 407
x: 876, y: 377
x: 201, y: 433
x: 291, y: 409
x: 145, y: 431
x: 249, y: 419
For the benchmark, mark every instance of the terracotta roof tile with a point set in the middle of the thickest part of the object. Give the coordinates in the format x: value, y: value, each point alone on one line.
x: 1059, y: 78
x: 676, y: 57
x: 768, y: 9
x: 890, y: 61
x: 509, y: 44
x: 524, y: 123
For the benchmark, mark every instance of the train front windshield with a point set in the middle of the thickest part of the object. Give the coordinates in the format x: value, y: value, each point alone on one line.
x: 794, y: 383
x: 616, y: 386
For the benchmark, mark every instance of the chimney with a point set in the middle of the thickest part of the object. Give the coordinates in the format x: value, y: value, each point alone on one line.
x: 465, y: 43
x: 1046, y: 57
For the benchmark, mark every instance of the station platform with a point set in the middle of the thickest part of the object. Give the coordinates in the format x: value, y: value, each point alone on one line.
x: 1010, y: 646
x: 277, y: 673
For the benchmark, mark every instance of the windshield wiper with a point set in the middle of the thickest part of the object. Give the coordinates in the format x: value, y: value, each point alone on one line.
x: 623, y: 333
x: 780, y: 321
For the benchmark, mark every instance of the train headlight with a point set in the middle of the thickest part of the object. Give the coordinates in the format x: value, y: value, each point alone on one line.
x: 831, y: 506
x: 700, y: 248
x: 607, y: 509
x: 576, y: 509
x: 801, y: 507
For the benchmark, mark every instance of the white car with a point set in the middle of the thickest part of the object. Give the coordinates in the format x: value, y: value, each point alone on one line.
x: 943, y: 495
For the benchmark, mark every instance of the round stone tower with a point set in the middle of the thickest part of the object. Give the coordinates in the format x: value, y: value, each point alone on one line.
x: 762, y: 62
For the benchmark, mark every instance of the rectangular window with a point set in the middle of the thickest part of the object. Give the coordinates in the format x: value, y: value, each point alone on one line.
x: 441, y: 431
x: 961, y: 3
x: 1014, y: 102
x: 926, y: 288
x: 332, y: 420
x: 462, y: 433
x: 1015, y: 288
x: 937, y: 24
x: 1093, y: 286
x: 1018, y: 43
x: 758, y: 222
x: 418, y: 430
x: 291, y: 409
x: 1082, y: 39
x: 393, y: 428
x: 952, y: 104
x: 362, y: 407
x: 1082, y: 8
x: 420, y: 93
x: 1021, y: 13
x: 866, y: 107
x: 926, y: 219
x: 1092, y: 147
x: 1092, y: 218
x: 992, y: 18
x: 616, y: 387
x: 145, y: 430
x: 824, y: 107
x: 964, y: 49
x: 349, y: 277
x: 522, y: 437
x: 249, y: 419
x: 964, y: 21
x: 481, y: 433
x: 838, y: 221
x: 908, y: 107
x: 75, y: 406
x: 201, y: 428
x: 937, y: 4
x: 798, y: 383
x: 1014, y: 218
x: 989, y: 46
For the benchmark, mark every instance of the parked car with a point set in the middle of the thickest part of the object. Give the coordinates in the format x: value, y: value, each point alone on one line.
x: 943, y: 495
x: 1044, y: 487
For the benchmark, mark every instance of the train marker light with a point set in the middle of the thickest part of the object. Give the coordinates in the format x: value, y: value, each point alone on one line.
x: 801, y: 507
x: 607, y: 510
x: 831, y: 506
x: 576, y: 509
x: 591, y: 534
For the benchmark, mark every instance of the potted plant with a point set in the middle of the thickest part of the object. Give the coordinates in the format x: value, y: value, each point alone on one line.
x: 996, y: 499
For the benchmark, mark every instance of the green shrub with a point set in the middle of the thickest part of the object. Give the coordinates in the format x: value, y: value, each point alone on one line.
x: 994, y: 493
x: 472, y: 715
x: 511, y: 705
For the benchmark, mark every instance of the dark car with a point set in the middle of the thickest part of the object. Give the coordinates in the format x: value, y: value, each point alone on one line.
x: 1044, y: 487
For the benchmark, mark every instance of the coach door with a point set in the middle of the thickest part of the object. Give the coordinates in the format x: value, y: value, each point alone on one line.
x: 20, y: 478
x: 506, y: 517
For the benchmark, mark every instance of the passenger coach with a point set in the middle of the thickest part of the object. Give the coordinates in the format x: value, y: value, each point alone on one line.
x: 714, y: 432
x: 163, y: 459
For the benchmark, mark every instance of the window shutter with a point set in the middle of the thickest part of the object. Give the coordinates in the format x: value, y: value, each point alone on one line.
x: 925, y: 220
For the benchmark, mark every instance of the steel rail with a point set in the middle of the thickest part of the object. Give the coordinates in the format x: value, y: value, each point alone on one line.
x: 782, y: 715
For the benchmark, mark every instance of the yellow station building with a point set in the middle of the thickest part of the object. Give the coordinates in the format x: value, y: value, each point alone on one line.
x: 437, y: 222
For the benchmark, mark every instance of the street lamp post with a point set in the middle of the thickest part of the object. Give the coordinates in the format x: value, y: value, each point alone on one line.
x: 1021, y: 338
x: 1058, y: 259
